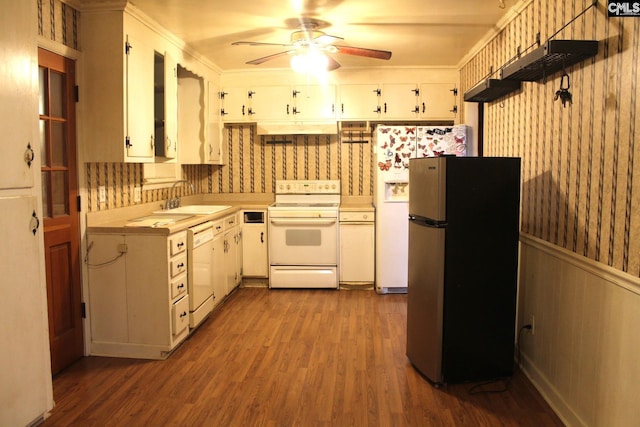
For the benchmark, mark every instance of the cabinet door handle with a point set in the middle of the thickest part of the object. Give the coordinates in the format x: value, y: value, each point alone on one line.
x: 385, y: 107
x: 287, y: 109
x: 262, y: 237
x: 35, y: 223
x: 423, y: 107
x: 243, y: 110
x: 29, y: 155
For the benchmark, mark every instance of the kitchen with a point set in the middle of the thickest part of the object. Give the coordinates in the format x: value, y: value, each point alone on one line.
x: 579, y: 228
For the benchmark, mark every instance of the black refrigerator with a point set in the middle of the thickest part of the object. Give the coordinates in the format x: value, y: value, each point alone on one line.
x: 462, y: 273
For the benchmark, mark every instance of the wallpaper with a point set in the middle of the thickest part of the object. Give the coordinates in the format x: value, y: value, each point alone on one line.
x: 58, y: 22
x: 580, y: 189
x: 252, y: 165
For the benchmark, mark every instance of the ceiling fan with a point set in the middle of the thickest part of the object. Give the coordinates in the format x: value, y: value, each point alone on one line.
x: 309, y: 41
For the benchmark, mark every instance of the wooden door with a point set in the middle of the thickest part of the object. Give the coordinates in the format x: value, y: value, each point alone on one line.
x: 60, y: 210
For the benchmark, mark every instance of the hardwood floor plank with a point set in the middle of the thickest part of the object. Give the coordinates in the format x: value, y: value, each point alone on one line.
x: 287, y: 358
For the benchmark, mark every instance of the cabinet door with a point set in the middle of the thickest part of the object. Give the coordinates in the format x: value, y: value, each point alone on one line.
x: 358, y: 102
x: 357, y: 252
x: 218, y: 270
x: 314, y: 102
x: 213, y: 147
x: 170, y: 107
x: 254, y: 250
x: 230, y: 257
x: 399, y: 101
x: 18, y: 108
x: 271, y: 103
x: 139, y: 101
x: 26, y: 372
x: 235, y: 104
x: 190, y: 117
x: 438, y: 101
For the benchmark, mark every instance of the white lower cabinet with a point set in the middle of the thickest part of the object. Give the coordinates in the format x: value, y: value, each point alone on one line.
x: 357, y: 248
x: 139, y: 306
x: 233, y: 251
x: 218, y: 268
x: 255, y: 261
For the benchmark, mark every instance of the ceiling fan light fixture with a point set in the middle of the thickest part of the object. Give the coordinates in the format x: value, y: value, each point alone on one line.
x: 309, y: 61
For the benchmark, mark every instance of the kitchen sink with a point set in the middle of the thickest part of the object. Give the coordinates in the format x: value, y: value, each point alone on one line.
x: 157, y: 220
x: 194, y: 210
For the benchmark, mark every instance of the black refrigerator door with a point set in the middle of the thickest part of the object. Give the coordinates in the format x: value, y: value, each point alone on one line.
x: 425, y: 299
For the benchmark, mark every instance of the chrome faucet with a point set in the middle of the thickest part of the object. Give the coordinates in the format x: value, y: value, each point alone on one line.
x: 174, y: 200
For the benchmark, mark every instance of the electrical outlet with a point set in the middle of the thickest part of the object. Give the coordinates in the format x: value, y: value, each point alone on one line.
x: 532, y: 322
x: 102, y: 194
x: 137, y: 195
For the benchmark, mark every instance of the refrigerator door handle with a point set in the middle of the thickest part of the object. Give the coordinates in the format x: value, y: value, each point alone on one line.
x: 426, y: 222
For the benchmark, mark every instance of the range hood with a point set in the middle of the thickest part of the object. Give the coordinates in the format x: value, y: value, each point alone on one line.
x: 302, y: 128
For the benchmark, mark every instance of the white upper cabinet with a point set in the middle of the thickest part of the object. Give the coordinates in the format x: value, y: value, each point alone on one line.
x: 235, y: 104
x: 270, y: 103
x: 438, y: 101
x: 213, y: 136
x: 398, y: 101
x: 166, y: 106
x: 314, y: 103
x: 359, y: 101
x: 128, y: 90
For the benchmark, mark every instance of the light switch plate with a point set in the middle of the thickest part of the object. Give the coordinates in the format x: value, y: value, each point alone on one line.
x: 102, y: 194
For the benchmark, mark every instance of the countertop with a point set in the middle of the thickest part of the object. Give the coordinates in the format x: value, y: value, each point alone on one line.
x: 114, y: 221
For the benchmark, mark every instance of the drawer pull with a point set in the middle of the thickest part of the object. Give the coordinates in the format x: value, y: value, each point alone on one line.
x: 183, y: 314
x: 180, y: 245
x: 181, y: 265
x: 180, y: 286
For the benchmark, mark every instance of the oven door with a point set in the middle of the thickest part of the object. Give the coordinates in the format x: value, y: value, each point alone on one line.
x: 303, y: 241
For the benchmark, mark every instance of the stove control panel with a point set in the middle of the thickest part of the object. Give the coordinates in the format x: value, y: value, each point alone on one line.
x: 299, y: 186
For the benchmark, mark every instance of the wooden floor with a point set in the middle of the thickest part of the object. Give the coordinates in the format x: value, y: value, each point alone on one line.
x: 288, y: 358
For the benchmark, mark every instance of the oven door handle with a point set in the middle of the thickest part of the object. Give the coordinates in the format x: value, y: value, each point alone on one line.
x: 308, y: 221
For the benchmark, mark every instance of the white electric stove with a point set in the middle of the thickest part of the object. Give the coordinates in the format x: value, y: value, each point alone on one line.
x: 303, y: 234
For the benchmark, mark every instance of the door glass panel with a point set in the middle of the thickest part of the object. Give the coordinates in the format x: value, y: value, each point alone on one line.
x: 58, y: 144
x: 43, y: 143
x: 42, y: 97
x: 59, y: 193
x: 45, y: 194
x: 57, y: 92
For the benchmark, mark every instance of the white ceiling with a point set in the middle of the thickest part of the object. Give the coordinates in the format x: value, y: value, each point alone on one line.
x: 417, y: 32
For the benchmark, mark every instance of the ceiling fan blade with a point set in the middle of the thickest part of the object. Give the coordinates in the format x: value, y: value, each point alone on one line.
x: 259, y: 44
x: 270, y: 57
x: 333, y: 64
x: 361, y: 51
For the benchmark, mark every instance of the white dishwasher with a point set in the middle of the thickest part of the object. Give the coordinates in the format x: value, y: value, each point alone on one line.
x: 199, y: 272
x: 357, y: 248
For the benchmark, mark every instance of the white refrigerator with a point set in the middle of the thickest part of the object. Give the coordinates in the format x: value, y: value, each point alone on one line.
x: 394, y: 146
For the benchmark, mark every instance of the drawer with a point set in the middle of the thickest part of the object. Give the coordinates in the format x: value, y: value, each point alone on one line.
x: 177, y: 243
x: 230, y: 221
x: 178, y: 286
x: 218, y: 227
x: 180, y: 315
x: 178, y: 265
x: 365, y: 216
